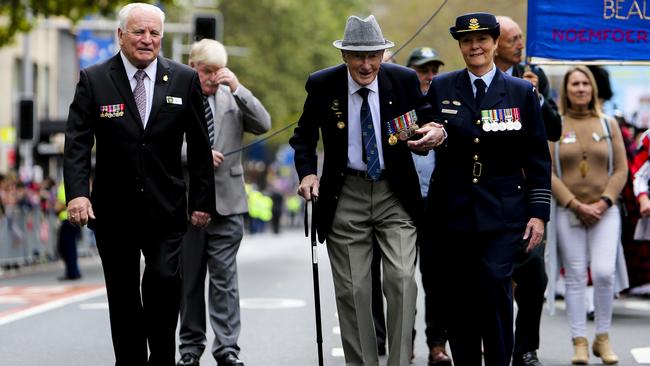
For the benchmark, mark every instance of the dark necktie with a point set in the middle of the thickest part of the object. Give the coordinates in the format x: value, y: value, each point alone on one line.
x: 140, y: 95
x: 480, y: 91
x: 368, y: 137
x: 209, y: 117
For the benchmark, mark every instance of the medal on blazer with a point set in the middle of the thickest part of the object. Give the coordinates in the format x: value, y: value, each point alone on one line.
x: 403, y: 127
x: 112, y: 110
x: 506, y: 119
x: 340, y: 125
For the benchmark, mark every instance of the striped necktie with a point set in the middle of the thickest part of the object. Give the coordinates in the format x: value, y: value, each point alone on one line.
x: 209, y: 117
x: 140, y: 95
x: 368, y: 137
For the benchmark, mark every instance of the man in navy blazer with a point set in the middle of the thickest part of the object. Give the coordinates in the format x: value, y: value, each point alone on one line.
x: 134, y: 109
x: 368, y: 186
x: 489, y: 193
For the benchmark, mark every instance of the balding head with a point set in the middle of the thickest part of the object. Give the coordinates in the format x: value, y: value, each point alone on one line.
x: 511, y: 44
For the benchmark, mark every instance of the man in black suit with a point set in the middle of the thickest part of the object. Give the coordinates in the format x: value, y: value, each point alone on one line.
x: 529, y: 273
x: 135, y: 108
x: 369, y: 185
x: 490, y: 191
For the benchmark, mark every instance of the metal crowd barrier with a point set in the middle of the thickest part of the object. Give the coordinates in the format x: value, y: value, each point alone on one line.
x: 29, y: 236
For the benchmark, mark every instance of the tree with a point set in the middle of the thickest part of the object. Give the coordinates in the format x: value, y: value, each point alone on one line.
x: 287, y: 40
x: 14, y: 13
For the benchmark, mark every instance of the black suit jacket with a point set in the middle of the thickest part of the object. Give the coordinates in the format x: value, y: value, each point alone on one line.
x: 550, y: 114
x: 488, y: 181
x: 138, y: 171
x: 326, y: 106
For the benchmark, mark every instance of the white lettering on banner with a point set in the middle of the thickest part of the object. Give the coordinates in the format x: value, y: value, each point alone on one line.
x: 625, y: 9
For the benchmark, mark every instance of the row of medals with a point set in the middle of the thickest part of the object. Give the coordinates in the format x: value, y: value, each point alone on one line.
x: 495, y: 126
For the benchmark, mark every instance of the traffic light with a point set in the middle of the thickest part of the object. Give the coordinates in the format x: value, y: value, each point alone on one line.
x: 26, y: 119
x: 205, y: 26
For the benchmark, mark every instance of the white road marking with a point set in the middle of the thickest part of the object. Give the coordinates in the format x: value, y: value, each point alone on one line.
x: 11, y: 299
x: 94, y: 306
x: 271, y: 303
x: 337, y: 352
x: 641, y: 355
x: 336, y: 330
x: 51, y: 306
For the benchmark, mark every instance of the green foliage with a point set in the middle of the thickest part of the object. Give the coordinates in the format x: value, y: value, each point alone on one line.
x: 13, y: 13
x: 413, y: 13
x: 286, y: 41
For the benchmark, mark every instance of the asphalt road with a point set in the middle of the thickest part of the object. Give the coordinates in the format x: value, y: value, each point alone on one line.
x: 47, y: 322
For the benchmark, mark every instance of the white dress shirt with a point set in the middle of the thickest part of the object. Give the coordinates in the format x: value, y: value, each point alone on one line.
x: 149, y: 81
x: 355, y: 144
x: 487, y: 78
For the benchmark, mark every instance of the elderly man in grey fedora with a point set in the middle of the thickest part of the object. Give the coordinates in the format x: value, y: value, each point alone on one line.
x: 368, y: 187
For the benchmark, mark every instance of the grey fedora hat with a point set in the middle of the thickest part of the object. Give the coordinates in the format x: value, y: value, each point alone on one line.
x: 363, y: 35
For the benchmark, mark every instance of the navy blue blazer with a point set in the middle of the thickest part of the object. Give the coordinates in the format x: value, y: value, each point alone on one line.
x: 488, y: 181
x: 326, y: 107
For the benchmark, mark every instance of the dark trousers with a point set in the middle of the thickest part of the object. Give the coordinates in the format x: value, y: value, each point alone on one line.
x: 530, y: 278
x: 144, y: 313
x: 67, y: 246
x: 479, y: 269
x: 434, y: 297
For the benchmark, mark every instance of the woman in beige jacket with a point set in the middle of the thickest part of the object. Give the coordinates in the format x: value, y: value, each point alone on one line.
x: 589, y: 171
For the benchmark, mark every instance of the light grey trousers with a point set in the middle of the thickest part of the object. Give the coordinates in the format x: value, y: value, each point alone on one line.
x: 214, y: 249
x: 368, y: 209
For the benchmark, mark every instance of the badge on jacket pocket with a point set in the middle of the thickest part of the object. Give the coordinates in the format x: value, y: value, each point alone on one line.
x: 174, y: 100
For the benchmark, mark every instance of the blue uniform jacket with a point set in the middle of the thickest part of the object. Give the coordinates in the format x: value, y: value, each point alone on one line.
x: 488, y: 181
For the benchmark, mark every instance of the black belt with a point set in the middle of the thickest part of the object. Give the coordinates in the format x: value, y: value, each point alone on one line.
x: 363, y: 174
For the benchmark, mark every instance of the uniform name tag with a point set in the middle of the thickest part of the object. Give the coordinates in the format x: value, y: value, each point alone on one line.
x: 449, y: 111
x: 174, y: 100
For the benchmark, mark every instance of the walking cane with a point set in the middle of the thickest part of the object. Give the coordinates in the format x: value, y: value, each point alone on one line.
x: 314, y: 261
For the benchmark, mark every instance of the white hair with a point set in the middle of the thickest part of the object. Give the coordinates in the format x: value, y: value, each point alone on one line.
x: 209, y: 52
x: 126, y: 10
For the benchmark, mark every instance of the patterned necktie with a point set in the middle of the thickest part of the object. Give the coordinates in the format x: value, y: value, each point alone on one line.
x: 140, y: 95
x: 480, y: 91
x: 368, y: 137
x: 209, y: 117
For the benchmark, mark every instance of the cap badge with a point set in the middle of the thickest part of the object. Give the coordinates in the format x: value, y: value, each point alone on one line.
x: 473, y: 24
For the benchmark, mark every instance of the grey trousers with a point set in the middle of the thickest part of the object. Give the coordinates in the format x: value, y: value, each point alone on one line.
x: 214, y: 249
x: 368, y: 209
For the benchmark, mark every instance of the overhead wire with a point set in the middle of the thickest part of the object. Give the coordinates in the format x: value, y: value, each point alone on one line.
x: 415, y: 34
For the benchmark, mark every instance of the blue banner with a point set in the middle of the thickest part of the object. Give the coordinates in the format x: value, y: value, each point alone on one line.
x: 92, y: 48
x: 589, y: 30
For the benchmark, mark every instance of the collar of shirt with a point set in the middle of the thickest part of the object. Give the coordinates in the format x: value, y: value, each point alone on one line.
x: 131, y: 70
x: 487, y: 78
x: 510, y: 70
x: 355, y: 146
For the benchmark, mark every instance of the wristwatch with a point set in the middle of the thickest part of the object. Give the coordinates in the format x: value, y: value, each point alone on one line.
x: 607, y: 201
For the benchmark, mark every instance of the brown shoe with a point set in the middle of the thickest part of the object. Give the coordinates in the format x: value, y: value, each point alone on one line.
x: 438, y: 357
x: 603, y: 349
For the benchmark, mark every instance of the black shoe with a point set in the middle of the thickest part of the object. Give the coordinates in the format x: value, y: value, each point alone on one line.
x: 69, y: 278
x: 188, y: 359
x: 528, y: 359
x: 381, y: 349
x: 230, y: 359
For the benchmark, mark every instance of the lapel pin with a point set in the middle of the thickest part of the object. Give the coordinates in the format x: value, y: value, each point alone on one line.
x: 165, y: 78
x: 456, y: 103
x: 445, y: 101
x: 340, y: 125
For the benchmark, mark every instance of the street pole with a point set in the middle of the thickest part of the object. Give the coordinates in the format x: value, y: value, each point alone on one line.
x: 25, y: 147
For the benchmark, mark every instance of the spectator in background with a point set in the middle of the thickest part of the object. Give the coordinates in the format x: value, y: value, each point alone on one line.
x: 231, y: 110
x: 589, y: 172
x: 67, y: 239
x: 427, y: 63
x: 529, y: 274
